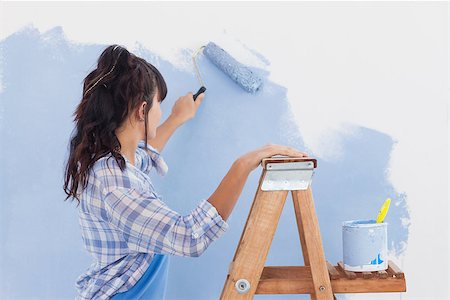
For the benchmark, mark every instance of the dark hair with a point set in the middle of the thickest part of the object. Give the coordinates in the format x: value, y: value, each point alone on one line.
x: 114, y: 89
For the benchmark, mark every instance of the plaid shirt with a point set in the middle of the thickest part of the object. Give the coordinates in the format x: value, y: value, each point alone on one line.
x: 124, y: 223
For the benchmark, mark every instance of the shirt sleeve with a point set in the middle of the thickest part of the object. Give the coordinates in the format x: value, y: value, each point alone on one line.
x: 149, y: 159
x: 149, y: 225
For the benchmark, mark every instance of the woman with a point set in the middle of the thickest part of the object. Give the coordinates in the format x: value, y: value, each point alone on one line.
x: 125, y: 226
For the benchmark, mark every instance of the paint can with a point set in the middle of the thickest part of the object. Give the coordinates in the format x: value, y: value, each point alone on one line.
x: 364, y: 245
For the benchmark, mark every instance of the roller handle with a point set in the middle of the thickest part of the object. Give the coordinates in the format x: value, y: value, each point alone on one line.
x: 201, y: 90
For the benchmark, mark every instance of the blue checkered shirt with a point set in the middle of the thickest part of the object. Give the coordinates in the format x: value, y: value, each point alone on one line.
x: 124, y: 223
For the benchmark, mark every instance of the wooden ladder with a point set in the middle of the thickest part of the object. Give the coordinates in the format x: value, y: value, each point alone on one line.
x: 247, y: 274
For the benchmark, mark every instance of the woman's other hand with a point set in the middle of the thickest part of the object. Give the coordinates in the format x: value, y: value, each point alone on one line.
x: 252, y: 159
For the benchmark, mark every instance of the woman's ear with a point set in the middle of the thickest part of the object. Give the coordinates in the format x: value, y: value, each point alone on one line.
x: 142, y: 111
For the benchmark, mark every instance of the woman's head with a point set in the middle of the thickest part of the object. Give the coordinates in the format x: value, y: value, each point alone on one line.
x: 123, y: 88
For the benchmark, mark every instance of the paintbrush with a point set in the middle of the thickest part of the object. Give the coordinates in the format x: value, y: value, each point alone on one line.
x: 383, y: 211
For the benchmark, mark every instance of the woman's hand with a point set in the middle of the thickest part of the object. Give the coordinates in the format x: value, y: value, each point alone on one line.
x: 185, y: 107
x: 252, y: 159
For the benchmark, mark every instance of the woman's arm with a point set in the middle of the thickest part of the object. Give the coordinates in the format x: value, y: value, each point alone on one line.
x: 183, y: 110
x: 149, y: 225
x: 230, y: 188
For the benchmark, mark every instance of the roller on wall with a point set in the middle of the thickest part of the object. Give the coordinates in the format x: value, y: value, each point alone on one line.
x: 238, y: 72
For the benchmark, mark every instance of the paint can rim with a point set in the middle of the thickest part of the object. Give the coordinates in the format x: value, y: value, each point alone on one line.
x: 363, y: 223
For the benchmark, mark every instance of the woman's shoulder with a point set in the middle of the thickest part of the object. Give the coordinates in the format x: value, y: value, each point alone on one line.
x: 111, y: 176
x: 105, y: 165
x: 109, y: 172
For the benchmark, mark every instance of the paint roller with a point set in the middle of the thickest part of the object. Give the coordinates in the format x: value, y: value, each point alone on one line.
x: 238, y: 72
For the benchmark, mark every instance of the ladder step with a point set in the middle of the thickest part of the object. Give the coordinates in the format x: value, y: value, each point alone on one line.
x: 350, y: 275
x: 334, y: 274
x: 394, y: 270
x: 382, y: 274
x: 298, y: 280
x: 285, y: 280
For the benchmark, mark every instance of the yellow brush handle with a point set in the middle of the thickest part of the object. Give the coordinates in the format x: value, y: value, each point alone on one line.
x: 383, y: 211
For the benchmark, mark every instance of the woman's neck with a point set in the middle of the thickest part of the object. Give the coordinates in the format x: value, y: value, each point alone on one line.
x: 128, y: 142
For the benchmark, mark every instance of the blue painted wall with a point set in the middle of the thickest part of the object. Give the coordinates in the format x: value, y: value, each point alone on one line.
x: 41, y: 246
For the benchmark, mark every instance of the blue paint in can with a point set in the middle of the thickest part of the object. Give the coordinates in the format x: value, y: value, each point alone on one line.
x: 364, y: 245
